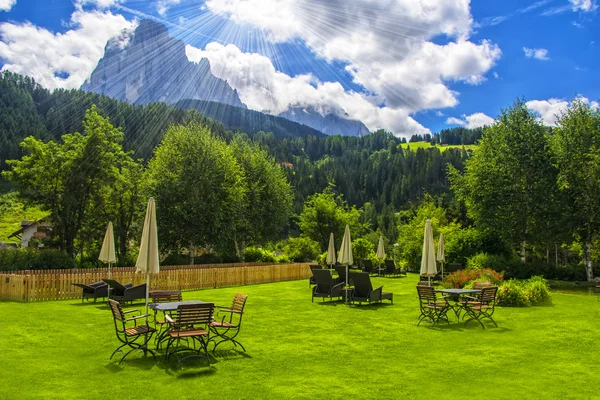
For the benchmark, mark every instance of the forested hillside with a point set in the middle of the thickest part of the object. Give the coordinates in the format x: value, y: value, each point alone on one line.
x: 372, y: 169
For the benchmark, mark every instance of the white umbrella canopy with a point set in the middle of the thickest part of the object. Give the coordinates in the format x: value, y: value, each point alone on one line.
x: 345, y: 256
x: 107, y: 252
x: 441, y: 257
x: 147, y: 261
x: 428, y: 267
x: 331, y: 251
x: 380, y: 248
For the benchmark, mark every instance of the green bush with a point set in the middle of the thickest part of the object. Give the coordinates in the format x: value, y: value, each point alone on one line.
x: 519, y: 270
x: 302, y: 249
x: 484, y: 260
x: 258, y: 254
x: 526, y: 293
x: 25, y: 259
x: 362, y: 249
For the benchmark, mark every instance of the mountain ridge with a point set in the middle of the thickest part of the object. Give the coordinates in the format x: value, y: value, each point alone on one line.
x: 148, y: 65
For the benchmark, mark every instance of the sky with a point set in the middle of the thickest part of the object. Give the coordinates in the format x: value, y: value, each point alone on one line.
x: 407, y: 66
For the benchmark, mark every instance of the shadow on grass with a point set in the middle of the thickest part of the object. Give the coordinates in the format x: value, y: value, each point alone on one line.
x: 135, y: 360
x: 372, y: 306
x: 231, y: 354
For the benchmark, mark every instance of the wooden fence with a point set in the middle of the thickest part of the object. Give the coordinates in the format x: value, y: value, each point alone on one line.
x: 46, y: 285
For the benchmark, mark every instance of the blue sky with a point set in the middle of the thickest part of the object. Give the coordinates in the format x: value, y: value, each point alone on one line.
x: 404, y: 65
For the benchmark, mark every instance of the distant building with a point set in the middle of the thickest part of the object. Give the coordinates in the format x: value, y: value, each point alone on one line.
x: 285, y: 164
x: 32, y: 230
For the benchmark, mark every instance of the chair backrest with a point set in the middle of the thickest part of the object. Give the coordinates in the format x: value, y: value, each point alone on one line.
x: 166, y: 296
x: 116, y: 285
x: 341, y: 270
x: 424, y: 283
x: 315, y: 266
x: 390, y: 266
x: 368, y: 264
x: 117, y: 310
x: 362, y: 284
x: 239, y: 301
x: 194, y: 314
x: 323, y: 279
x: 481, y: 285
x: 426, y: 294
x: 488, y: 294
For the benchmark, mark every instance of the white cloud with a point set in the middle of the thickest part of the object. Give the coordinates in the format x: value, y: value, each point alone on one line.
x: 550, y: 110
x: 59, y: 60
x: 100, y: 3
x: 583, y: 5
x: 386, y: 45
x: 538, y: 54
x: 162, y: 6
x: 495, y: 74
x: 263, y: 88
x: 6, y: 5
x: 472, y: 121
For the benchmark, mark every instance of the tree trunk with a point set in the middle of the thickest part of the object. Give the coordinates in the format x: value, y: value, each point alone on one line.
x: 192, y: 253
x: 588, y: 260
x: 524, y: 251
x: 547, y: 255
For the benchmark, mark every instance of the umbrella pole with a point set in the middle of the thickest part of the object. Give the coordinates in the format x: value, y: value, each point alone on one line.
x: 109, y: 277
x: 147, y: 294
x: 347, y: 283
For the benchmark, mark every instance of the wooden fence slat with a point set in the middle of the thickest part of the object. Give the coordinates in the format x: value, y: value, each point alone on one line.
x: 48, y: 285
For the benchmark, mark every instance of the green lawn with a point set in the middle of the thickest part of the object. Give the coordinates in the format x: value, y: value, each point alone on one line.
x: 299, y: 349
x: 426, y: 145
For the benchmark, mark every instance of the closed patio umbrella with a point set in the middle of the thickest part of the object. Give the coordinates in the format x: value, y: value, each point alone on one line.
x: 428, y: 267
x: 441, y: 257
x: 107, y: 252
x: 345, y: 255
x: 147, y: 261
x: 380, y: 252
x: 331, y: 251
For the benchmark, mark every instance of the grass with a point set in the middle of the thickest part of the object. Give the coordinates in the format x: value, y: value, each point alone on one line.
x: 426, y: 145
x: 298, y: 349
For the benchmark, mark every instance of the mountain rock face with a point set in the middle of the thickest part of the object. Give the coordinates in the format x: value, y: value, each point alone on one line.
x: 330, y: 122
x: 147, y: 65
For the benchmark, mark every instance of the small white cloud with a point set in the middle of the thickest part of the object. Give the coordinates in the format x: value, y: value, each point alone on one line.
x: 577, y: 24
x: 583, y: 5
x: 495, y: 74
x: 472, y: 121
x: 162, y: 6
x: 439, y: 113
x: 6, y: 5
x: 99, y: 3
x: 550, y: 110
x: 538, y: 54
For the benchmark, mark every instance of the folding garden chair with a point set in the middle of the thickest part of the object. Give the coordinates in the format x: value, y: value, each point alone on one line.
x: 229, y: 325
x: 129, y: 332
x: 481, y: 306
x: 432, y: 308
x: 190, y: 322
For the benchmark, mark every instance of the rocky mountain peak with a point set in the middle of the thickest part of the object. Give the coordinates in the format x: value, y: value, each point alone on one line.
x: 148, y: 65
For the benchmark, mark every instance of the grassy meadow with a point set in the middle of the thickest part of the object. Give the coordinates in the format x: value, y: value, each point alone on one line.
x: 426, y: 145
x: 303, y: 350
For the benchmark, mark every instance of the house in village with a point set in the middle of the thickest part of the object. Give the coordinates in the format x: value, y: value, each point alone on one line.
x: 32, y: 230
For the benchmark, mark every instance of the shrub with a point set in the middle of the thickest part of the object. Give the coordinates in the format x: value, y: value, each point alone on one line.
x: 362, y: 249
x: 463, y: 277
x: 23, y: 259
x: 518, y: 270
x: 258, y: 254
x: 484, y: 260
x: 530, y: 292
x: 302, y: 249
